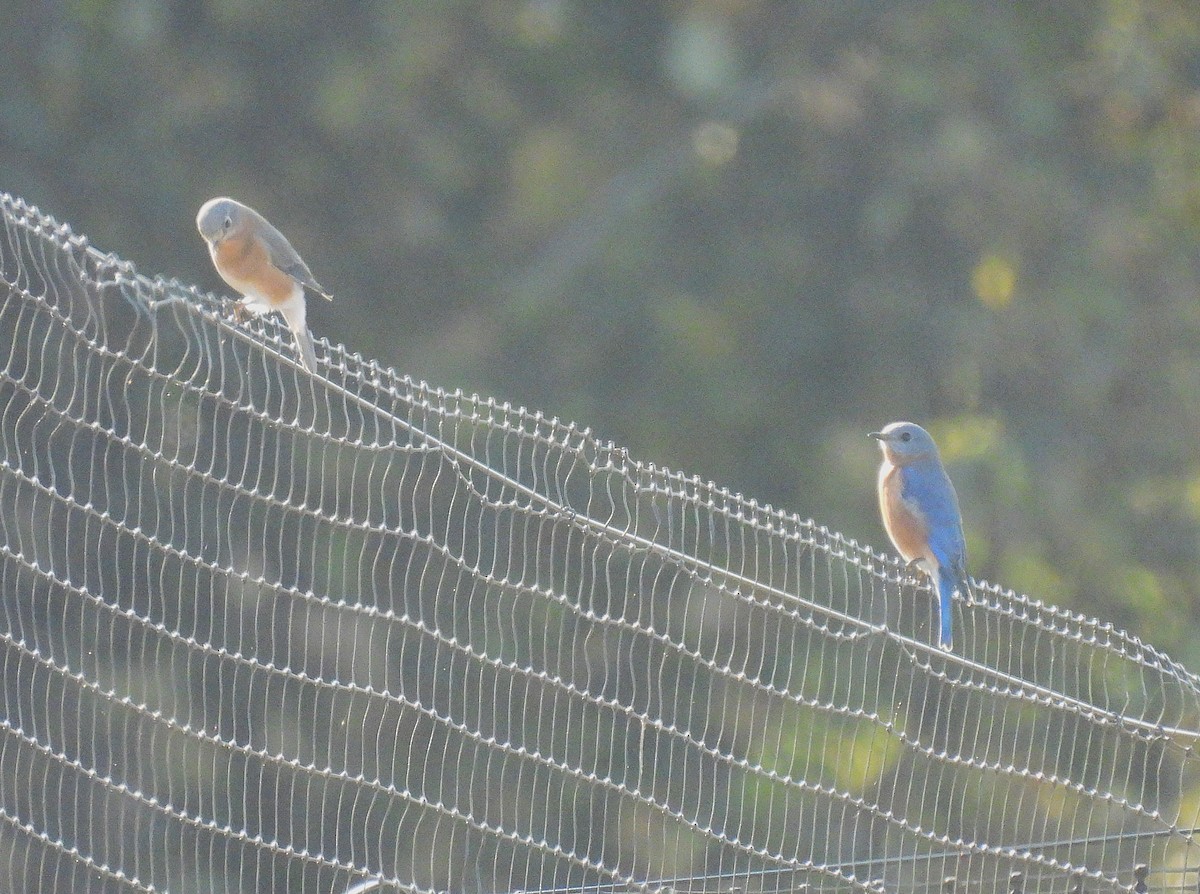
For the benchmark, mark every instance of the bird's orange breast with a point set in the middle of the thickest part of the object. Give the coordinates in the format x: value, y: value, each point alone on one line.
x: 905, y: 524
x: 246, y: 266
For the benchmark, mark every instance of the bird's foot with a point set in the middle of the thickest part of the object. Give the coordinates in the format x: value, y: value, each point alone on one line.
x: 914, y: 571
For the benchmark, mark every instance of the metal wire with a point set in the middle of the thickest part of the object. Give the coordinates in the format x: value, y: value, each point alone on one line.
x: 269, y: 631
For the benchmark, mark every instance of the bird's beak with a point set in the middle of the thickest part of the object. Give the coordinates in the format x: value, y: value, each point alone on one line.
x: 877, y: 435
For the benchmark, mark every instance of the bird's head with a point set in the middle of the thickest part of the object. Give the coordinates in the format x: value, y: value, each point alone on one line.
x: 903, y: 442
x: 220, y: 218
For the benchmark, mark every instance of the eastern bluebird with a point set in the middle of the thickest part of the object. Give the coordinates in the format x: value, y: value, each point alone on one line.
x: 920, y: 513
x: 258, y: 261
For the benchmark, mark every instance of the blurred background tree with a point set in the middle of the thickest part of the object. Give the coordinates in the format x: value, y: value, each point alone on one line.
x: 732, y: 235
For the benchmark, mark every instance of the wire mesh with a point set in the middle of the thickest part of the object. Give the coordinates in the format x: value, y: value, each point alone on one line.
x: 266, y: 631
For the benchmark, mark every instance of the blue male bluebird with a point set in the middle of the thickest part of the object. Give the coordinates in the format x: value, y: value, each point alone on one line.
x: 920, y: 513
x: 258, y: 261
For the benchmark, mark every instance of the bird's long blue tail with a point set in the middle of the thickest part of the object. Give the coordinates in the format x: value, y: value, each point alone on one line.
x: 947, y: 584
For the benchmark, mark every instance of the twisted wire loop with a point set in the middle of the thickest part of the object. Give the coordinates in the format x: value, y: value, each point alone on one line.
x: 267, y: 631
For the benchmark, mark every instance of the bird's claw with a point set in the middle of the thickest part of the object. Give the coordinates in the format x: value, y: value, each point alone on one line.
x: 914, y: 572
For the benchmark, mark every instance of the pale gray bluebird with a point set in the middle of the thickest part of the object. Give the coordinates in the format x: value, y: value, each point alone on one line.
x: 258, y: 261
x: 920, y: 513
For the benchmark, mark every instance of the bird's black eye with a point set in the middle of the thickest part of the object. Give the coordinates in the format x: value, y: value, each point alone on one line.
x: 228, y: 223
x: 906, y: 436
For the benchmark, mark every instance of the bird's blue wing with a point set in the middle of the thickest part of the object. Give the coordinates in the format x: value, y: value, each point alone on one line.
x: 927, y: 485
x: 288, y: 259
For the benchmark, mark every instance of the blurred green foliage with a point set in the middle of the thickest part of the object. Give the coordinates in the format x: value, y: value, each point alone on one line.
x: 733, y: 235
